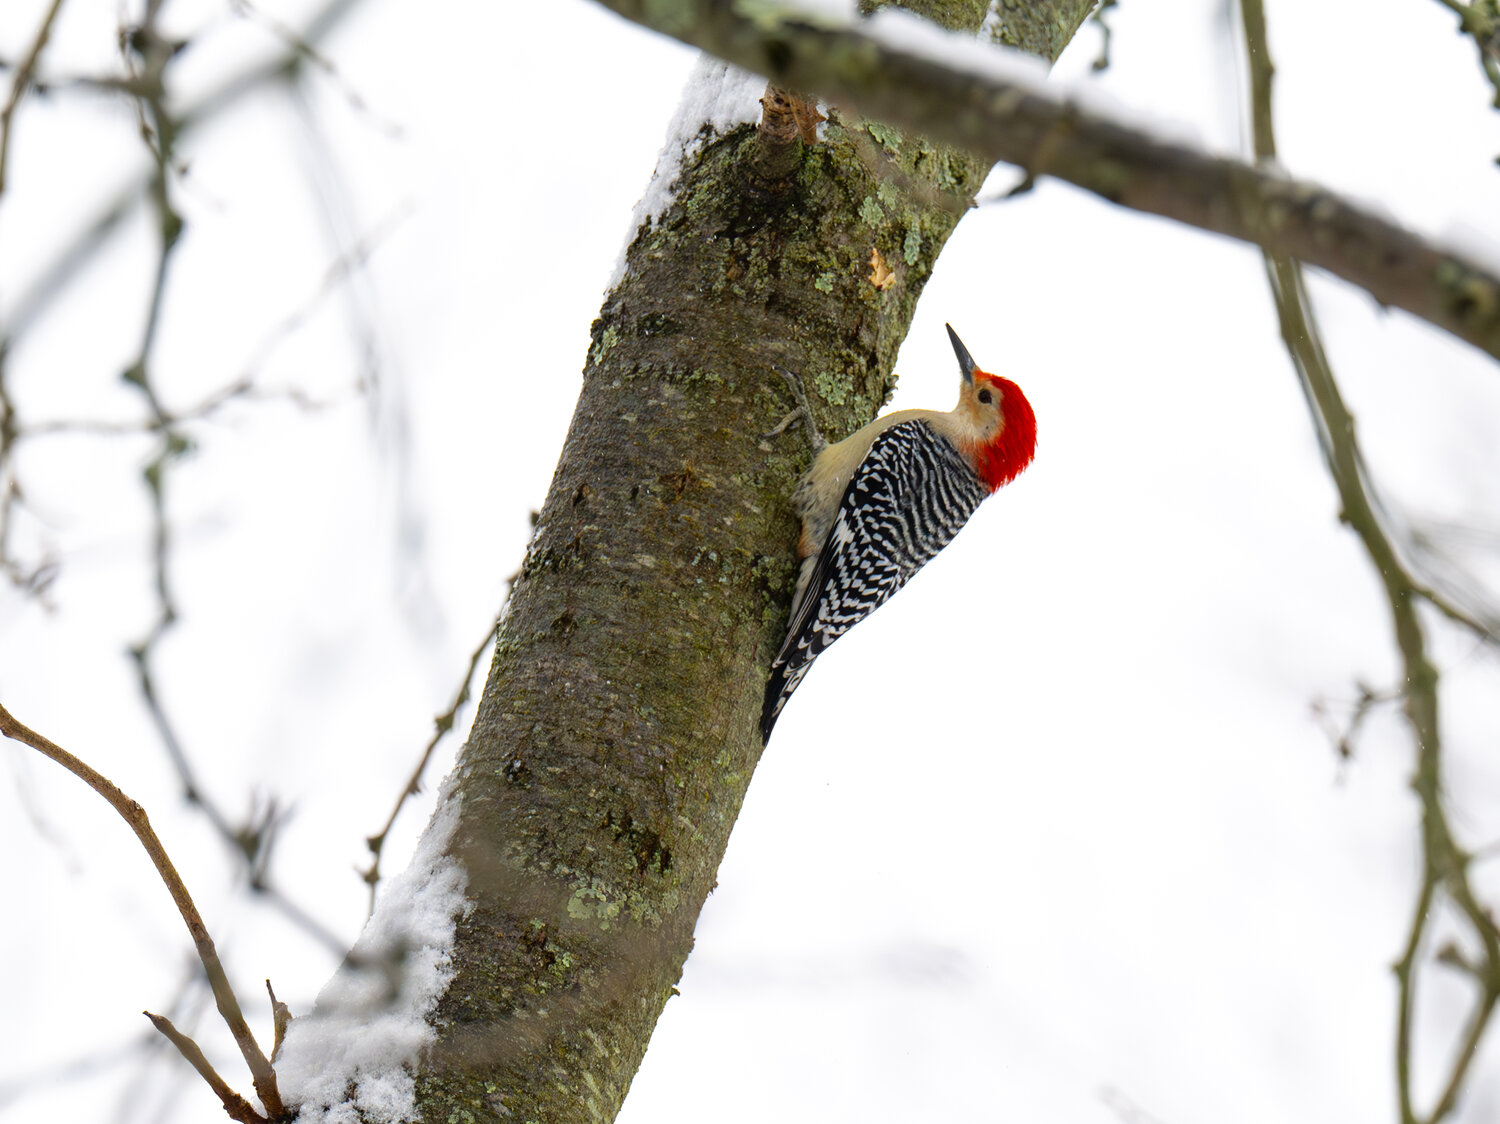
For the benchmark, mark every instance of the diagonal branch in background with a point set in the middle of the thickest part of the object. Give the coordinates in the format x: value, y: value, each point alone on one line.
x: 302, y: 53
x: 1480, y: 21
x: 1445, y: 873
x: 442, y: 724
x: 33, y: 580
x: 21, y: 80
x: 134, y: 815
x: 148, y: 54
x: 27, y: 307
x: 1106, y: 32
x: 961, y: 92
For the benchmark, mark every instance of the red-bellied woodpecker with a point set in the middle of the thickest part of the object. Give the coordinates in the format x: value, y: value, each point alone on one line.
x: 876, y: 506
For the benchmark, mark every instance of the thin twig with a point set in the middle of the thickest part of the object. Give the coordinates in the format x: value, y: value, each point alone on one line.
x: 1406, y: 993
x: 443, y: 723
x: 31, y: 580
x: 1468, y: 1049
x: 1101, y: 62
x: 1445, y: 864
x: 20, y: 81
x: 27, y: 306
x: 281, y: 1018
x: 235, y: 1105
x: 135, y: 816
x: 241, y: 390
x: 147, y: 57
x: 252, y: 840
x: 1481, y: 23
x: 344, y: 269
x: 1363, y: 707
x: 300, y: 50
x: 167, y: 423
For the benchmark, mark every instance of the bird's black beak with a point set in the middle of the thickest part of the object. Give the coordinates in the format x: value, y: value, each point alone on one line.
x: 965, y: 360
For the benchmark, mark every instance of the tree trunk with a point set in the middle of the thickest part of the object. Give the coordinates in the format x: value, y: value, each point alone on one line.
x: 619, y: 724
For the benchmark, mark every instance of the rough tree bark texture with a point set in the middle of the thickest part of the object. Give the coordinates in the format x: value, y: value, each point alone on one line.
x: 618, y: 728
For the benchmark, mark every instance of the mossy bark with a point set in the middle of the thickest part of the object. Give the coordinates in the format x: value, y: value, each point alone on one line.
x: 619, y: 725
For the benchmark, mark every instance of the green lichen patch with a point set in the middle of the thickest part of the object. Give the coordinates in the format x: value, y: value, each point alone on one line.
x: 617, y: 734
x: 603, y: 344
x: 831, y: 388
x: 911, y: 247
x: 885, y: 136
x: 1471, y: 299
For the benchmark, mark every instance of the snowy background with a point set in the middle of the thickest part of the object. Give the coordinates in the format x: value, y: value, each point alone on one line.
x: 1173, y: 897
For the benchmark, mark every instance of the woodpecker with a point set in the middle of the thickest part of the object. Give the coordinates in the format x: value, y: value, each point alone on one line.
x: 876, y: 506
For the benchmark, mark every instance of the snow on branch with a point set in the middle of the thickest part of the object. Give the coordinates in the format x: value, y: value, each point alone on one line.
x: 352, y: 1060
x: 994, y: 102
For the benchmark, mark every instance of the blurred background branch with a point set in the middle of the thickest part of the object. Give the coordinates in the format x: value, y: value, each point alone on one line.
x: 1003, y: 114
x: 21, y: 80
x: 147, y: 56
x: 1446, y: 865
x: 1480, y: 21
x: 1131, y: 334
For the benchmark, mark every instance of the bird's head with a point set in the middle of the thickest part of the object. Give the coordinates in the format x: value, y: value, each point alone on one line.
x: 997, y: 424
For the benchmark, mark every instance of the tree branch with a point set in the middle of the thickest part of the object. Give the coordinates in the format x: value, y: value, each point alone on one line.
x: 134, y: 815
x: 442, y: 725
x: 235, y: 1105
x: 21, y: 80
x: 27, y: 305
x: 954, y: 90
x: 1445, y: 864
x: 1480, y: 21
x: 618, y: 728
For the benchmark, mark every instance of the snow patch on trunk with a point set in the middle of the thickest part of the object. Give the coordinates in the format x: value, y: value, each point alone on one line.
x: 991, y: 23
x: 717, y: 98
x: 350, y: 1061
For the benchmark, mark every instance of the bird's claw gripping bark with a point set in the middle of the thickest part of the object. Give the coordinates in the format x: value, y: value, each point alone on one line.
x: 802, y: 409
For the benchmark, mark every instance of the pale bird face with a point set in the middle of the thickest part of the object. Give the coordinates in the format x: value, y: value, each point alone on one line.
x: 995, y: 420
x: 981, y: 406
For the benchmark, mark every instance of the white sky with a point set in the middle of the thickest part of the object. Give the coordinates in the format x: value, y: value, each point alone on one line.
x: 1054, y: 830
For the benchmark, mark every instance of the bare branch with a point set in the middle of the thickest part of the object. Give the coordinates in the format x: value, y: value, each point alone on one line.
x: 1022, y: 123
x: 1345, y: 737
x: 1445, y: 865
x: 1102, y: 61
x: 235, y: 1105
x: 281, y: 1018
x: 148, y: 55
x: 21, y: 80
x: 28, y: 305
x: 300, y: 51
x: 787, y: 122
x: 1480, y: 21
x: 135, y: 816
x: 443, y: 723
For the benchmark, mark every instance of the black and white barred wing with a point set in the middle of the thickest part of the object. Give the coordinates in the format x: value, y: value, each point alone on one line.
x: 910, y: 495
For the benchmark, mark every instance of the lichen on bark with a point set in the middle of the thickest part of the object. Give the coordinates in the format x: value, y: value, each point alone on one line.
x: 619, y: 724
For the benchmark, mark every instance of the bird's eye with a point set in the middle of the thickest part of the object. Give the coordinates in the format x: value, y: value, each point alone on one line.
x: 986, y: 397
